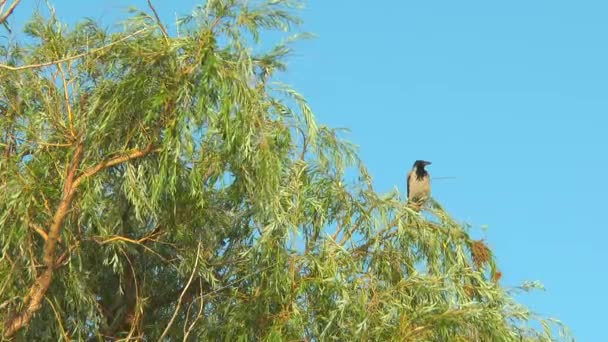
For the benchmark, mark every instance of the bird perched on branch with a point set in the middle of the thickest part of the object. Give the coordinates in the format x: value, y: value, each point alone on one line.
x: 418, y: 185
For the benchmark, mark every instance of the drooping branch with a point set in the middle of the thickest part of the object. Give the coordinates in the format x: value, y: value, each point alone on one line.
x: 43, y: 281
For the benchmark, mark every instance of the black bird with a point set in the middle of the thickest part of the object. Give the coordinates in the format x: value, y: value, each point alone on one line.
x: 418, y: 185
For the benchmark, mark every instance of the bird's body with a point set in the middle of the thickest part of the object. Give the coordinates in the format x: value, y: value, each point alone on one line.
x: 418, y: 185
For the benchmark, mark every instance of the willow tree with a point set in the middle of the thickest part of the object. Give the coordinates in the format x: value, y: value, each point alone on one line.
x: 158, y: 185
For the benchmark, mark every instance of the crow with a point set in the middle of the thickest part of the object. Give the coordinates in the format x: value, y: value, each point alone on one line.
x: 418, y: 185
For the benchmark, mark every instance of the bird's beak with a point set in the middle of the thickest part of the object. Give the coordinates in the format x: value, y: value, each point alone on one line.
x: 427, y: 163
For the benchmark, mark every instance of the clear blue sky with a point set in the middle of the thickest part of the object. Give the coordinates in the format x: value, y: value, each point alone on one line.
x: 509, y: 97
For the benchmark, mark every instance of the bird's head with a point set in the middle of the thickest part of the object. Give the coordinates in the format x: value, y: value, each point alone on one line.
x: 420, y: 164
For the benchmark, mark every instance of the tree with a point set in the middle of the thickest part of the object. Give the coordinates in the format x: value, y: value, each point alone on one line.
x: 158, y: 185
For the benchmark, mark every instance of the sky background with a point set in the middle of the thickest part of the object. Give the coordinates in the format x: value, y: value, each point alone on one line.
x: 510, y: 98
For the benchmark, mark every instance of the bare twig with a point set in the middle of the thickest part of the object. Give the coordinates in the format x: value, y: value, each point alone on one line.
x: 140, y: 242
x: 181, y: 296
x: 4, y: 16
x: 41, y: 232
x: 66, y: 97
x: 126, y: 239
x: 135, y: 316
x: 199, y: 314
x: 441, y: 178
x: 159, y: 22
x: 58, y: 317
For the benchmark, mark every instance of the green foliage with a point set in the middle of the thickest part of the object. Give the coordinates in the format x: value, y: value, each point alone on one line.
x: 207, y: 203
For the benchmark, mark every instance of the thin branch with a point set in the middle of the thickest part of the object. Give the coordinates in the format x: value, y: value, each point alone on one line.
x: 67, y: 253
x: 66, y: 97
x: 135, y: 316
x: 441, y: 178
x: 199, y: 314
x: 80, y: 55
x: 181, y: 296
x: 9, y: 11
x: 304, y: 143
x: 239, y: 280
x: 9, y: 275
x: 41, y: 232
x: 112, y: 162
x: 126, y: 239
x: 42, y: 143
x: 139, y: 242
x: 58, y: 317
x: 159, y: 22
x: 352, y: 230
x: 363, y: 248
x: 339, y: 228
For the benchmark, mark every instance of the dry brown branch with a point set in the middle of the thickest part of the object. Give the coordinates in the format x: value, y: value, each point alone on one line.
x: 480, y: 253
x: 80, y: 55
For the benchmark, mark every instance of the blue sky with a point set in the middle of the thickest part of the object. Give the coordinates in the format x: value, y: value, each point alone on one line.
x: 510, y: 98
